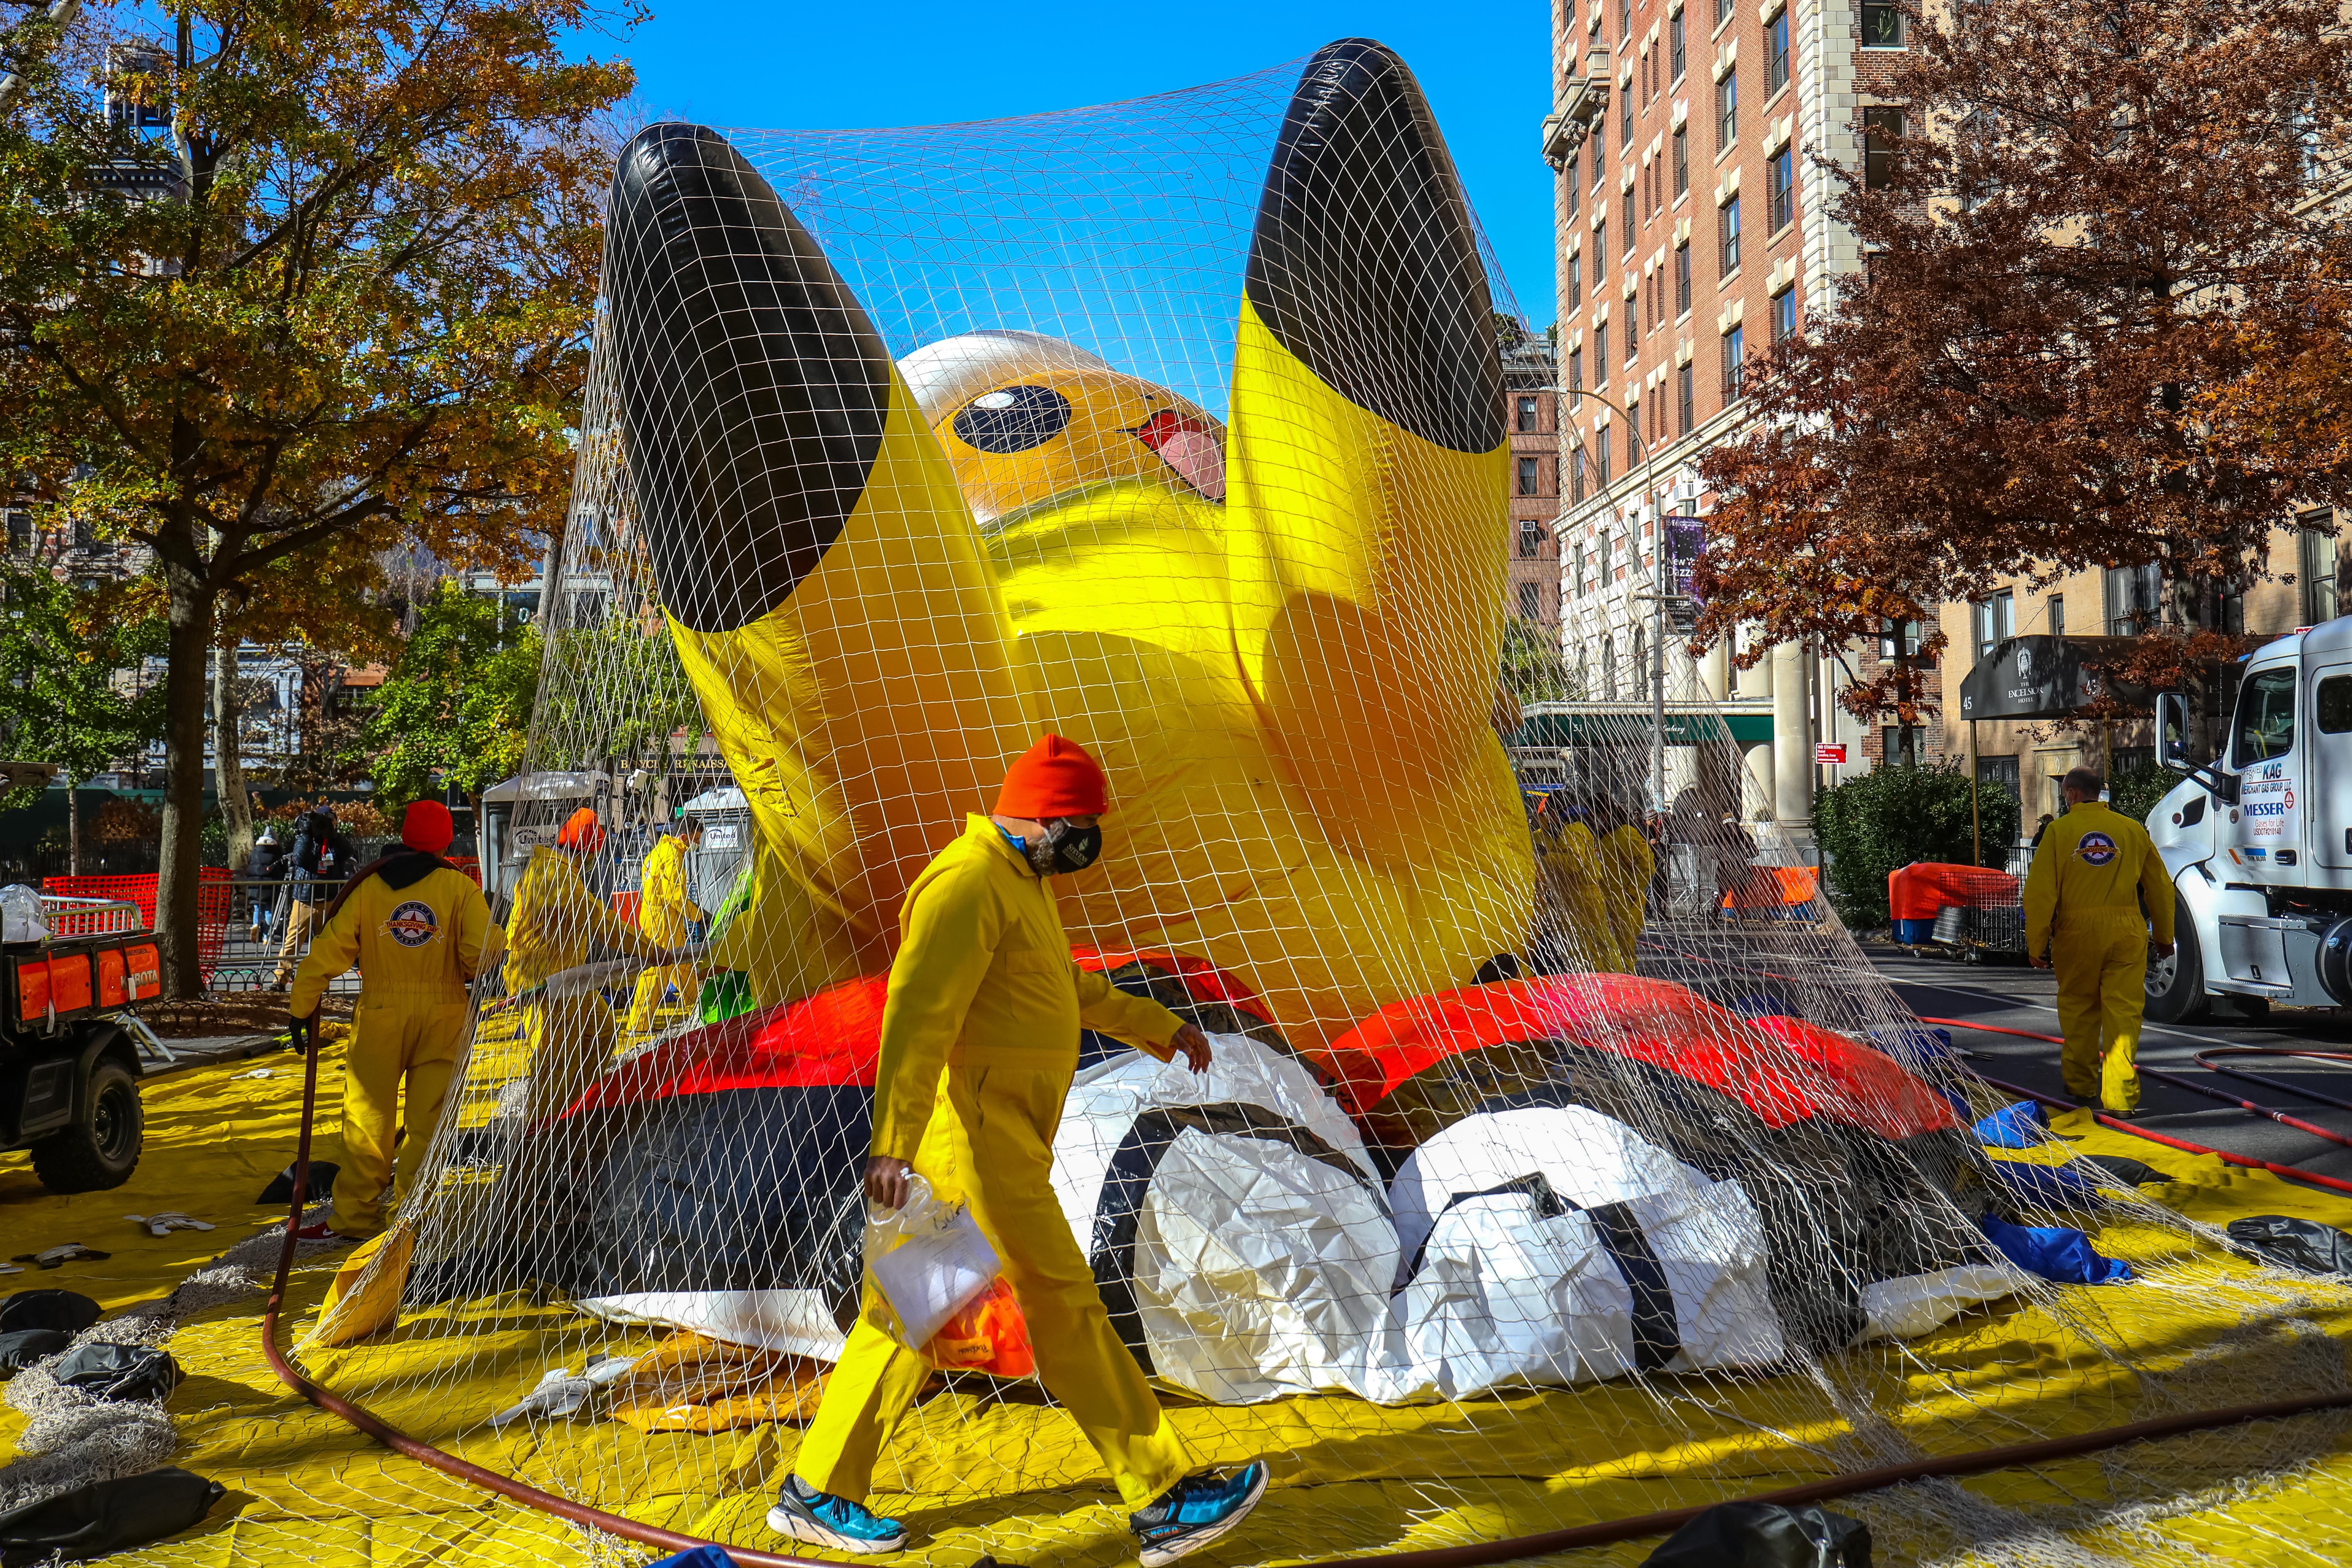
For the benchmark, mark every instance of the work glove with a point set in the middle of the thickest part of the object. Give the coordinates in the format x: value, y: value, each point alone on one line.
x: 165, y: 1223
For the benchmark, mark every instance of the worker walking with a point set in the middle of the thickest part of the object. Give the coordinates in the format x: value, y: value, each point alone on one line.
x: 2084, y: 916
x: 979, y: 1041
x: 669, y: 916
x: 555, y: 923
x: 1627, y: 866
x: 415, y: 926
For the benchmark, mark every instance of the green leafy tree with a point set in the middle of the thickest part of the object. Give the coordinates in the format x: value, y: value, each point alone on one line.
x: 457, y: 703
x: 2135, y: 791
x: 325, y: 288
x: 61, y: 649
x: 1889, y: 817
x: 1532, y: 669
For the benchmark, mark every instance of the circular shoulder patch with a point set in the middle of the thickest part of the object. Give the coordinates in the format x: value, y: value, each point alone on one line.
x: 2096, y: 848
x: 412, y: 924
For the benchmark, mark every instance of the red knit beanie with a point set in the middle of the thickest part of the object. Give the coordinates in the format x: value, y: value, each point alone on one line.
x: 427, y: 824
x: 581, y: 830
x: 1052, y: 778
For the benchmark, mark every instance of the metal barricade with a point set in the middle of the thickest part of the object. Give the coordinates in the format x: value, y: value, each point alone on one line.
x: 271, y: 923
x: 66, y: 915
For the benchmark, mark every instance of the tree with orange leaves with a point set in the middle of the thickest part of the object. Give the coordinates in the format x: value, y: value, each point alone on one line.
x: 2102, y: 324
x: 291, y: 279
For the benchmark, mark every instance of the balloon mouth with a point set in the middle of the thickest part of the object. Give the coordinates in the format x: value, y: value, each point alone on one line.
x: 1189, y: 447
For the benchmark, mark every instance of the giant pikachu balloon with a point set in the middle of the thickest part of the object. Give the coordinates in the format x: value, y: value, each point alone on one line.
x: 1280, y: 640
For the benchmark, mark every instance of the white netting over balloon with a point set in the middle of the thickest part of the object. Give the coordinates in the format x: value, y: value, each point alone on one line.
x: 1561, y: 1158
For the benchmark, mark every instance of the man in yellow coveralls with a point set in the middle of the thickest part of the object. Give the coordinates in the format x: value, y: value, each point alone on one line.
x: 665, y: 914
x: 2083, y: 898
x: 415, y: 925
x: 554, y: 921
x: 979, y: 1041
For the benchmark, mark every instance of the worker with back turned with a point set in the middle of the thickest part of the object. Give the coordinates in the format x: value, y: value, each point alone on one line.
x: 979, y: 1041
x: 415, y: 925
x: 669, y: 916
x: 2085, y: 917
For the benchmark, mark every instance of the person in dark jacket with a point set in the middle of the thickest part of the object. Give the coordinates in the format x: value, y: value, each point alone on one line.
x: 323, y: 857
x: 263, y: 871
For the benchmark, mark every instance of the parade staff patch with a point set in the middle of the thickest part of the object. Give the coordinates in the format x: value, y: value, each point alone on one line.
x: 412, y: 924
x: 2096, y: 848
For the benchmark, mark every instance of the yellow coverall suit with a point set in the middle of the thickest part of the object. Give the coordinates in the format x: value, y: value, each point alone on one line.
x: 1626, y: 867
x: 554, y: 921
x: 979, y: 1041
x: 2083, y: 902
x: 417, y: 947
x: 1573, y: 876
x: 664, y: 913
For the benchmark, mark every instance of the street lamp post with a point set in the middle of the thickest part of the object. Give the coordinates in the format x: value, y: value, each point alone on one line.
x: 1657, y: 599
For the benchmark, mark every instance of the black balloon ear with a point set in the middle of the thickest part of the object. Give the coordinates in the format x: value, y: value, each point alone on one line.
x: 752, y: 387
x: 1364, y: 263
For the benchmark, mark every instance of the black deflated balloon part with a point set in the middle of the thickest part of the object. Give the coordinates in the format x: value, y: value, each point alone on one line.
x: 1012, y: 419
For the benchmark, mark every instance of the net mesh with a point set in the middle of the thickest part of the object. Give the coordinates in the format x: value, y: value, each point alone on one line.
x: 1562, y: 1157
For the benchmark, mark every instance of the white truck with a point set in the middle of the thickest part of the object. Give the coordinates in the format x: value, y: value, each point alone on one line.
x: 2258, y: 841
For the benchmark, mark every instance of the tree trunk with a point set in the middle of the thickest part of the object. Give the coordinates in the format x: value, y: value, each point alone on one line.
x: 73, y: 825
x: 180, y: 860
x: 228, y: 760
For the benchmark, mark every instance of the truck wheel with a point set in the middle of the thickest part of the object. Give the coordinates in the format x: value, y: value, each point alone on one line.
x: 103, y: 1152
x: 2175, y: 985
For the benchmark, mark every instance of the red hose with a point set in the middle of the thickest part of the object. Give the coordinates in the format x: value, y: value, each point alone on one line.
x: 2294, y: 1173
x: 1474, y: 1555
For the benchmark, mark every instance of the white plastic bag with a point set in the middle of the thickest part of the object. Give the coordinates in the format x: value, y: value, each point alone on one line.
x: 928, y: 1259
x: 20, y: 914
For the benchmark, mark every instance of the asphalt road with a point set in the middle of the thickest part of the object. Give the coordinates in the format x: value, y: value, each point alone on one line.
x: 2011, y: 995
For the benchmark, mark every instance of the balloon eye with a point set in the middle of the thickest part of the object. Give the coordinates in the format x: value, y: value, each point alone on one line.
x: 1012, y: 418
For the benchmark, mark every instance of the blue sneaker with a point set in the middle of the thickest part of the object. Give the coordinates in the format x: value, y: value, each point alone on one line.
x: 821, y: 1518
x: 1195, y: 1512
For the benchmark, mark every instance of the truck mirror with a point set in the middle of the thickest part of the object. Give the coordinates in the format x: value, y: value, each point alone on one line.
x: 2172, y: 730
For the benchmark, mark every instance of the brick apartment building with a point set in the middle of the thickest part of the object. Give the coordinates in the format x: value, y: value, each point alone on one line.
x: 1691, y: 236
x: 1531, y: 383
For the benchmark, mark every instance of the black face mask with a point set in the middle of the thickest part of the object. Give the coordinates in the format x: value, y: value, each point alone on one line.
x: 1063, y: 847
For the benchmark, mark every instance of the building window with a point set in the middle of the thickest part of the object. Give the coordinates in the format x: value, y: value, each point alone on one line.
x: 1992, y: 621
x: 2057, y: 609
x: 1530, y: 540
x: 1881, y: 128
x: 1575, y: 183
x: 1600, y: 454
x: 1599, y: 248
x: 1776, y: 54
x: 1575, y: 280
x: 1682, y: 159
x: 1723, y: 9
x: 1632, y: 432
x: 1674, y: 47
x: 20, y: 529
x: 1726, y: 110
x: 1625, y: 127
x: 1576, y: 477
x: 1601, y: 354
x: 1686, y: 397
x: 1633, y: 325
x: 1630, y: 241
x: 1530, y: 602
x: 1526, y: 416
x: 1576, y: 370
x: 1735, y: 362
x: 1527, y: 475
x: 2000, y: 773
x: 1784, y: 315
x: 2321, y: 589
x: 1882, y: 24
x: 1682, y: 279
x: 1726, y: 228
x: 2134, y: 599
x: 1608, y: 669
x: 1579, y: 578
x: 1900, y: 745
x: 1780, y: 178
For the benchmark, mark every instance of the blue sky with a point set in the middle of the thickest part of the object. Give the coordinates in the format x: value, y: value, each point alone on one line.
x: 800, y: 66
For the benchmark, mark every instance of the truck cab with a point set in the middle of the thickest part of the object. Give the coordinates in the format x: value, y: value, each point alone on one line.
x: 2258, y: 841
